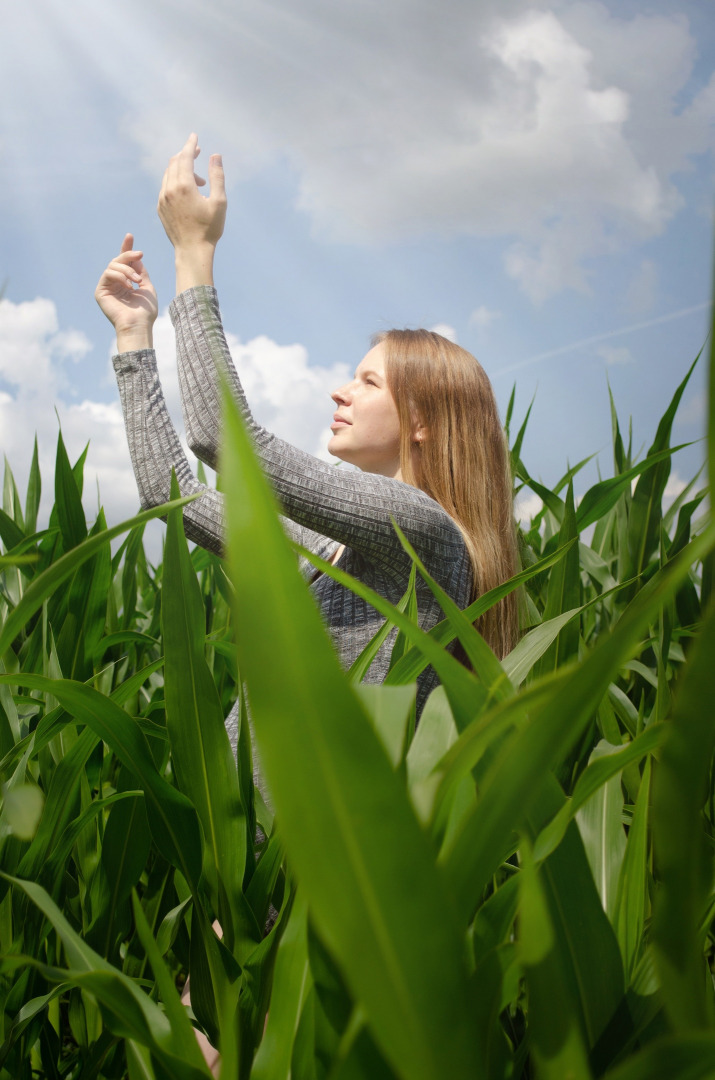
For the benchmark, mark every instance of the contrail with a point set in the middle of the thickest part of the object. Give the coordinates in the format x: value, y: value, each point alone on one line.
x: 603, y: 337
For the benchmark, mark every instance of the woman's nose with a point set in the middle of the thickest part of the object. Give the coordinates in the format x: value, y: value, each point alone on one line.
x: 341, y: 396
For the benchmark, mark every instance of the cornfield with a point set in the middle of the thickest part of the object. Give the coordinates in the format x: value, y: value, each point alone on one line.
x: 519, y: 886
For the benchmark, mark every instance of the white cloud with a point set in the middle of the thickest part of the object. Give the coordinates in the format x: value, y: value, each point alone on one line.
x: 34, y: 353
x: 286, y: 393
x: 558, y: 126
x: 526, y: 507
x: 484, y: 316
x: 615, y: 354
x: 446, y: 331
x: 544, y: 268
x: 675, y: 486
x: 30, y: 341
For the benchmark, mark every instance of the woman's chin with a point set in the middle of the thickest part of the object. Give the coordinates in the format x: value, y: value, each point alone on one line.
x: 333, y: 447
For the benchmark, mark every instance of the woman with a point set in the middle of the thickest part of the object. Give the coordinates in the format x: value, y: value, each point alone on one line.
x: 419, y: 419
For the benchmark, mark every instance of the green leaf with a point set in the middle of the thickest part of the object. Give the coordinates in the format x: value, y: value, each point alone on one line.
x: 94, y: 613
x: 201, y: 751
x: 68, y: 500
x: 516, y: 448
x: 682, y: 855
x: 139, y: 1064
x: 172, y: 818
x: 632, y: 900
x: 646, y: 506
x: 465, y: 693
x: 130, y: 1012
x: 557, y: 1040
x: 687, y: 1057
x: 171, y: 924
x: 711, y: 399
x: 600, y: 824
x: 492, y: 729
x: 414, y: 661
x: 532, y: 646
x: 291, y: 983
x: 599, y: 499
x: 184, y: 1040
x: 125, y: 848
x: 61, y: 803
x: 10, y: 533
x: 551, y: 731
x: 34, y: 491
x: 359, y: 667
x: 56, y: 864
x: 435, y: 734
x: 597, y: 773
x: 389, y: 708
x: 21, y: 810
x: 11, y: 498
x: 580, y: 979
x: 564, y: 594
x: 488, y: 669
x: 48, y: 581
x: 365, y: 865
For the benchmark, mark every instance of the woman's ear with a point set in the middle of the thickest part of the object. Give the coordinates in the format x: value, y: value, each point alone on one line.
x: 419, y: 433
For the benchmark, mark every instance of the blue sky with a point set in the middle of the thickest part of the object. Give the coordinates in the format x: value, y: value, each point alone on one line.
x: 535, y: 177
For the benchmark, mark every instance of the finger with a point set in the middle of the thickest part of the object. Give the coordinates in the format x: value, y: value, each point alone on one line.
x: 173, y: 171
x: 188, y: 154
x: 129, y: 265
x: 199, y: 180
x: 128, y: 256
x: 114, y: 278
x: 127, y: 272
x: 127, y: 243
x: 216, y: 175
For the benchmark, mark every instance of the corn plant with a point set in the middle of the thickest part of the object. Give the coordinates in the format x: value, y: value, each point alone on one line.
x: 520, y: 886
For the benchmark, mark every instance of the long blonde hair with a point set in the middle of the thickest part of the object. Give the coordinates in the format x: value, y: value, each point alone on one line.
x: 462, y: 462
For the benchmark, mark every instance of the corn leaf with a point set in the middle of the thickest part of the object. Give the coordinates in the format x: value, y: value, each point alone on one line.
x: 350, y: 843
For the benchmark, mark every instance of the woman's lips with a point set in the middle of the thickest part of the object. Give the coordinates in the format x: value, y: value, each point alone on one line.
x: 339, y: 421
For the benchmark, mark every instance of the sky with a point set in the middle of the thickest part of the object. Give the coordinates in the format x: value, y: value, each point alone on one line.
x: 535, y: 180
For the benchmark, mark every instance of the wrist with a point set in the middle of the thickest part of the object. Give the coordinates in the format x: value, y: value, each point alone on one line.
x: 134, y: 338
x: 194, y: 266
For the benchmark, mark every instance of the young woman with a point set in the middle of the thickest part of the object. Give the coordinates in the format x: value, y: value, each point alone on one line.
x: 419, y: 419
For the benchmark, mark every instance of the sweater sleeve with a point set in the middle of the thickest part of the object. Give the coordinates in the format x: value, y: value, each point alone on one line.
x: 354, y: 508
x: 155, y: 449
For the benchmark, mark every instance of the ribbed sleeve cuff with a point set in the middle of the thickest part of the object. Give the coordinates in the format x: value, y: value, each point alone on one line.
x: 186, y: 302
x: 127, y: 363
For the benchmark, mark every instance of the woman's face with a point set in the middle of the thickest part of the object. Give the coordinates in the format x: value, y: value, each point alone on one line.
x: 366, y: 428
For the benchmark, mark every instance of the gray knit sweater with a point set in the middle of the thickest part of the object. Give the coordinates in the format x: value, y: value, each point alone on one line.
x: 324, y: 506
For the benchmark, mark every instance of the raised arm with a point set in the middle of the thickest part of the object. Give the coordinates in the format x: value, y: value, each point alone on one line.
x: 194, y: 224
x: 354, y: 508
x: 155, y: 450
x: 128, y: 299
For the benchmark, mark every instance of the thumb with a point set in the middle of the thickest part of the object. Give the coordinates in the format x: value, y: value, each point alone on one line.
x: 216, y: 176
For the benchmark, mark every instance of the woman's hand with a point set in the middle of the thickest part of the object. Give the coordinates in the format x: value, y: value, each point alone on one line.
x: 193, y: 222
x: 128, y: 299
